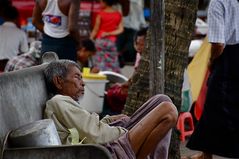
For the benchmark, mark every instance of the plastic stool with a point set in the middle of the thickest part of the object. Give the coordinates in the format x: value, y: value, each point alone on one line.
x: 185, y: 117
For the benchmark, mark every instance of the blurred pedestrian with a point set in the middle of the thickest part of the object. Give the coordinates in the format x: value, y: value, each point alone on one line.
x: 218, y: 128
x: 107, y: 26
x: 57, y: 20
x: 85, y: 53
x: 13, y: 41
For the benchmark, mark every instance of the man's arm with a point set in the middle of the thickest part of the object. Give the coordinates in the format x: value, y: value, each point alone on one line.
x: 216, y: 29
x: 96, y: 28
x: 73, y: 17
x: 216, y: 51
x: 71, y: 115
x: 37, y: 16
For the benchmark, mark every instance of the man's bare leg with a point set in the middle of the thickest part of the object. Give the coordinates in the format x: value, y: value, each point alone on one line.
x: 146, y: 134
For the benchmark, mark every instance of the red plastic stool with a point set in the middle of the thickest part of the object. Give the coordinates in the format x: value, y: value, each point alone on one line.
x: 185, y: 117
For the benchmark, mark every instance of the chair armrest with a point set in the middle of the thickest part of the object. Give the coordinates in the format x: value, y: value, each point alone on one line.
x: 84, y: 151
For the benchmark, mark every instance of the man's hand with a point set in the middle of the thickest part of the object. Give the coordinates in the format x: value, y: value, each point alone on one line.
x: 216, y: 51
x: 117, y: 117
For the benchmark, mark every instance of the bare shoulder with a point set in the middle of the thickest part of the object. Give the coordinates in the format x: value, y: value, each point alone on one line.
x: 42, y: 3
x: 65, y: 5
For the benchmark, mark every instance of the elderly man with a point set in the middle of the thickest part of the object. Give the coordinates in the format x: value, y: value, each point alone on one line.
x: 147, y: 131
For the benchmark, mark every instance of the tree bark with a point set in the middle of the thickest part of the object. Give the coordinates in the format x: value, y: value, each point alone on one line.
x: 157, y: 48
x: 180, y: 16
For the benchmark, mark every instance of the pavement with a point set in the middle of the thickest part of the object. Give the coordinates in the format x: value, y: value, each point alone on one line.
x: 185, y: 152
x: 191, y: 154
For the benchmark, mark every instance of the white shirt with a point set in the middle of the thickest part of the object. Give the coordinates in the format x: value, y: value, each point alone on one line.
x: 135, y: 18
x: 12, y: 41
x: 55, y: 22
x: 223, y: 21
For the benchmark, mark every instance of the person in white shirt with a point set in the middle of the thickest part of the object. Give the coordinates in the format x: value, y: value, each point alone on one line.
x: 13, y: 41
x: 58, y: 21
x: 217, y: 130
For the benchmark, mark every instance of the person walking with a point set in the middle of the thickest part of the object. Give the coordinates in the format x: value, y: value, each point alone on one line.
x: 13, y: 41
x: 57, y: 20
x: 218, y: 128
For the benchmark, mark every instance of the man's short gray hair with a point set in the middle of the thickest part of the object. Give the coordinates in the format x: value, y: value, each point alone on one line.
x: 58, y: 68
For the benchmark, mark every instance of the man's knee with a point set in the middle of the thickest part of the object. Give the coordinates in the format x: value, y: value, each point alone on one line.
x: 166, y: 105
x: 161, y: 98
x: 171, y: 112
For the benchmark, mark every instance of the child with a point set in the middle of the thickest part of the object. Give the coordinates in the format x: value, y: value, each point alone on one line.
x: 139, y: 42
x: 107, y: 26
x: 85, y: 53
x: 117, y: 94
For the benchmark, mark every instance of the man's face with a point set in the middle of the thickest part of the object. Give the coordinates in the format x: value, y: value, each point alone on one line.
x: 73, y: 84
x: 139, y: 44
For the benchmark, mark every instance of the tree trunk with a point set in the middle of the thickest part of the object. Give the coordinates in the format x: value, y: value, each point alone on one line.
x: 157, y: 48
x: 180, y: 24
x: 180, y: 18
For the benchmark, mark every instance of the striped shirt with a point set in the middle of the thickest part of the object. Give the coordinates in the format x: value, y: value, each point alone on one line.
x: 223, y: 21
x: 21, y: 61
